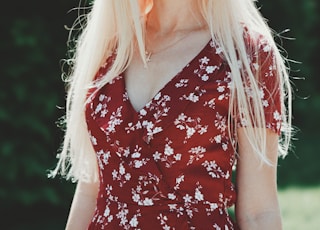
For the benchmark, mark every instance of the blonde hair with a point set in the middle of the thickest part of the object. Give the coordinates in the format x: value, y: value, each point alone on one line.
x: 119, y: 25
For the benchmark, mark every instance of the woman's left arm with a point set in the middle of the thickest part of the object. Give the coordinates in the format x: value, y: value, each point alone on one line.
x: 257, y: 205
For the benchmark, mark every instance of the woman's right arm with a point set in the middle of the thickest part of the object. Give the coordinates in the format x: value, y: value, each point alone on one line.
x: 83, y: 206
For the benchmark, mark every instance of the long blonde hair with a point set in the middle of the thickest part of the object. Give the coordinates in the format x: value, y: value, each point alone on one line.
x: 119, y: 24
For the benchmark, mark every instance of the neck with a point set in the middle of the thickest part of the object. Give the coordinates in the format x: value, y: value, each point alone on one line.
x: 170, y: 16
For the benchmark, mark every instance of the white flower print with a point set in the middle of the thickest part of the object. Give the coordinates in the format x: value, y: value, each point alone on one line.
x: 211, y: 104
x: 160, y: 110
x: 103, y: 158
x: 218, y: 49
x: 93, y: 139
x: 194, y: 96
x: 177, y: 209
x: 136, y: 160
x: 101, y: 108
x: 147, y: 202
x: 169, y: 156
x: 157, y: 96
x: 261, y: 93
x: 122, y: 215
x: 182, y: 83
x: 168, y: 151
x: 205, y: 60
x: 139, y: 164
x: 177, y: 157
x: 205, y: 70
x: 125, y: 96
x: 190, y: 125
x: 161, y: 113
x: 179, y: 180
x: 172, y: 196
x: 143, y: 112
x: 106, y: 216
x: 130, y: 127
x: 214, y: 170
x: 204, y: 77
x: 115, y: 120
x: 211, y: 69
x: 159, y: 104
x: 106, y: 212
x: 133, y: 157
x: 220, y: 122
x: 147, y: 192
x: 216, y: 227
x: 223, y: 203
x: 196, y: 154
x: 163, y: 221
x: 221, y: 88
x: 265, y: 103
x: 134, y: 221
x: 98, y: 108
x: 133, y: 127
x: 121, y: 175
x: 190, y: 204
x: 211, y: 208
x: 224, y: 146
x: 277, y: 115
x: 198, y: 195
x: 187, y: 198
x: 218, y: 139
x: 151, y: 130
x: 157, y: 156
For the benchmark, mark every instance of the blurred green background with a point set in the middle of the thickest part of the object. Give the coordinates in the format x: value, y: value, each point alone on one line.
x: 33, y: 42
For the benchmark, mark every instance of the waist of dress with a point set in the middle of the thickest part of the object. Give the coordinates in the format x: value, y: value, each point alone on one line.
x: 180, y: 215
x: 172, y: 205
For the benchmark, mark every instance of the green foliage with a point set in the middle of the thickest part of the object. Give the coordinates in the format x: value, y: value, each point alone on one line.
x: 303, y: 19
x: 300, y: 207
x: 33, y: 41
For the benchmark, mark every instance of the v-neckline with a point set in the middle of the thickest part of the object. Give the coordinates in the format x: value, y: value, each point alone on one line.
x: 165, y: 87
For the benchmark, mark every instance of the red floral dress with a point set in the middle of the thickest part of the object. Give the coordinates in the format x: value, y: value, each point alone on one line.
x: 169, y: 165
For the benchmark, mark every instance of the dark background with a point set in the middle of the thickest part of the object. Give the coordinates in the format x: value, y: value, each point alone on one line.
x: 33, y: 42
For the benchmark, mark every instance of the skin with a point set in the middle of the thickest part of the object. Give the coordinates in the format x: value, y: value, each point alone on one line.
x: 257, y: 204
x: 83, y: 206
x: 173, y: 41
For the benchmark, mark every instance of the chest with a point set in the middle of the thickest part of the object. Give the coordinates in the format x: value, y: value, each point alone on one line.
x: 183, y: 126
x: 142, y: 82
x: 192, y: 100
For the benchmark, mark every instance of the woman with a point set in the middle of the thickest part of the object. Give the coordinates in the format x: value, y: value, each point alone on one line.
x: 164, y: 97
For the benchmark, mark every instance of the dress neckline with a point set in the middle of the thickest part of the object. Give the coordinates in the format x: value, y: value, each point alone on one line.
x: 166, y: 87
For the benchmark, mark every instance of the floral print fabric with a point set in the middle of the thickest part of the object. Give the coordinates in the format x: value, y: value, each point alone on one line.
x: 169, y: 165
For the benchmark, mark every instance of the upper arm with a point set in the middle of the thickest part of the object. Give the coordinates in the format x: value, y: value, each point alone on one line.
x: 83, y: 206
x: 257, y: 182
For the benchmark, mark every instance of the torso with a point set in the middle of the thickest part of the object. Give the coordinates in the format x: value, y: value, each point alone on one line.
x: 162, y: 142
x: 165, y: 163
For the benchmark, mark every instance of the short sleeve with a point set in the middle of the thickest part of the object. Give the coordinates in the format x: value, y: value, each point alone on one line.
x: 101, y: 72
x: 263, y: 65
x: 105, y: 67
